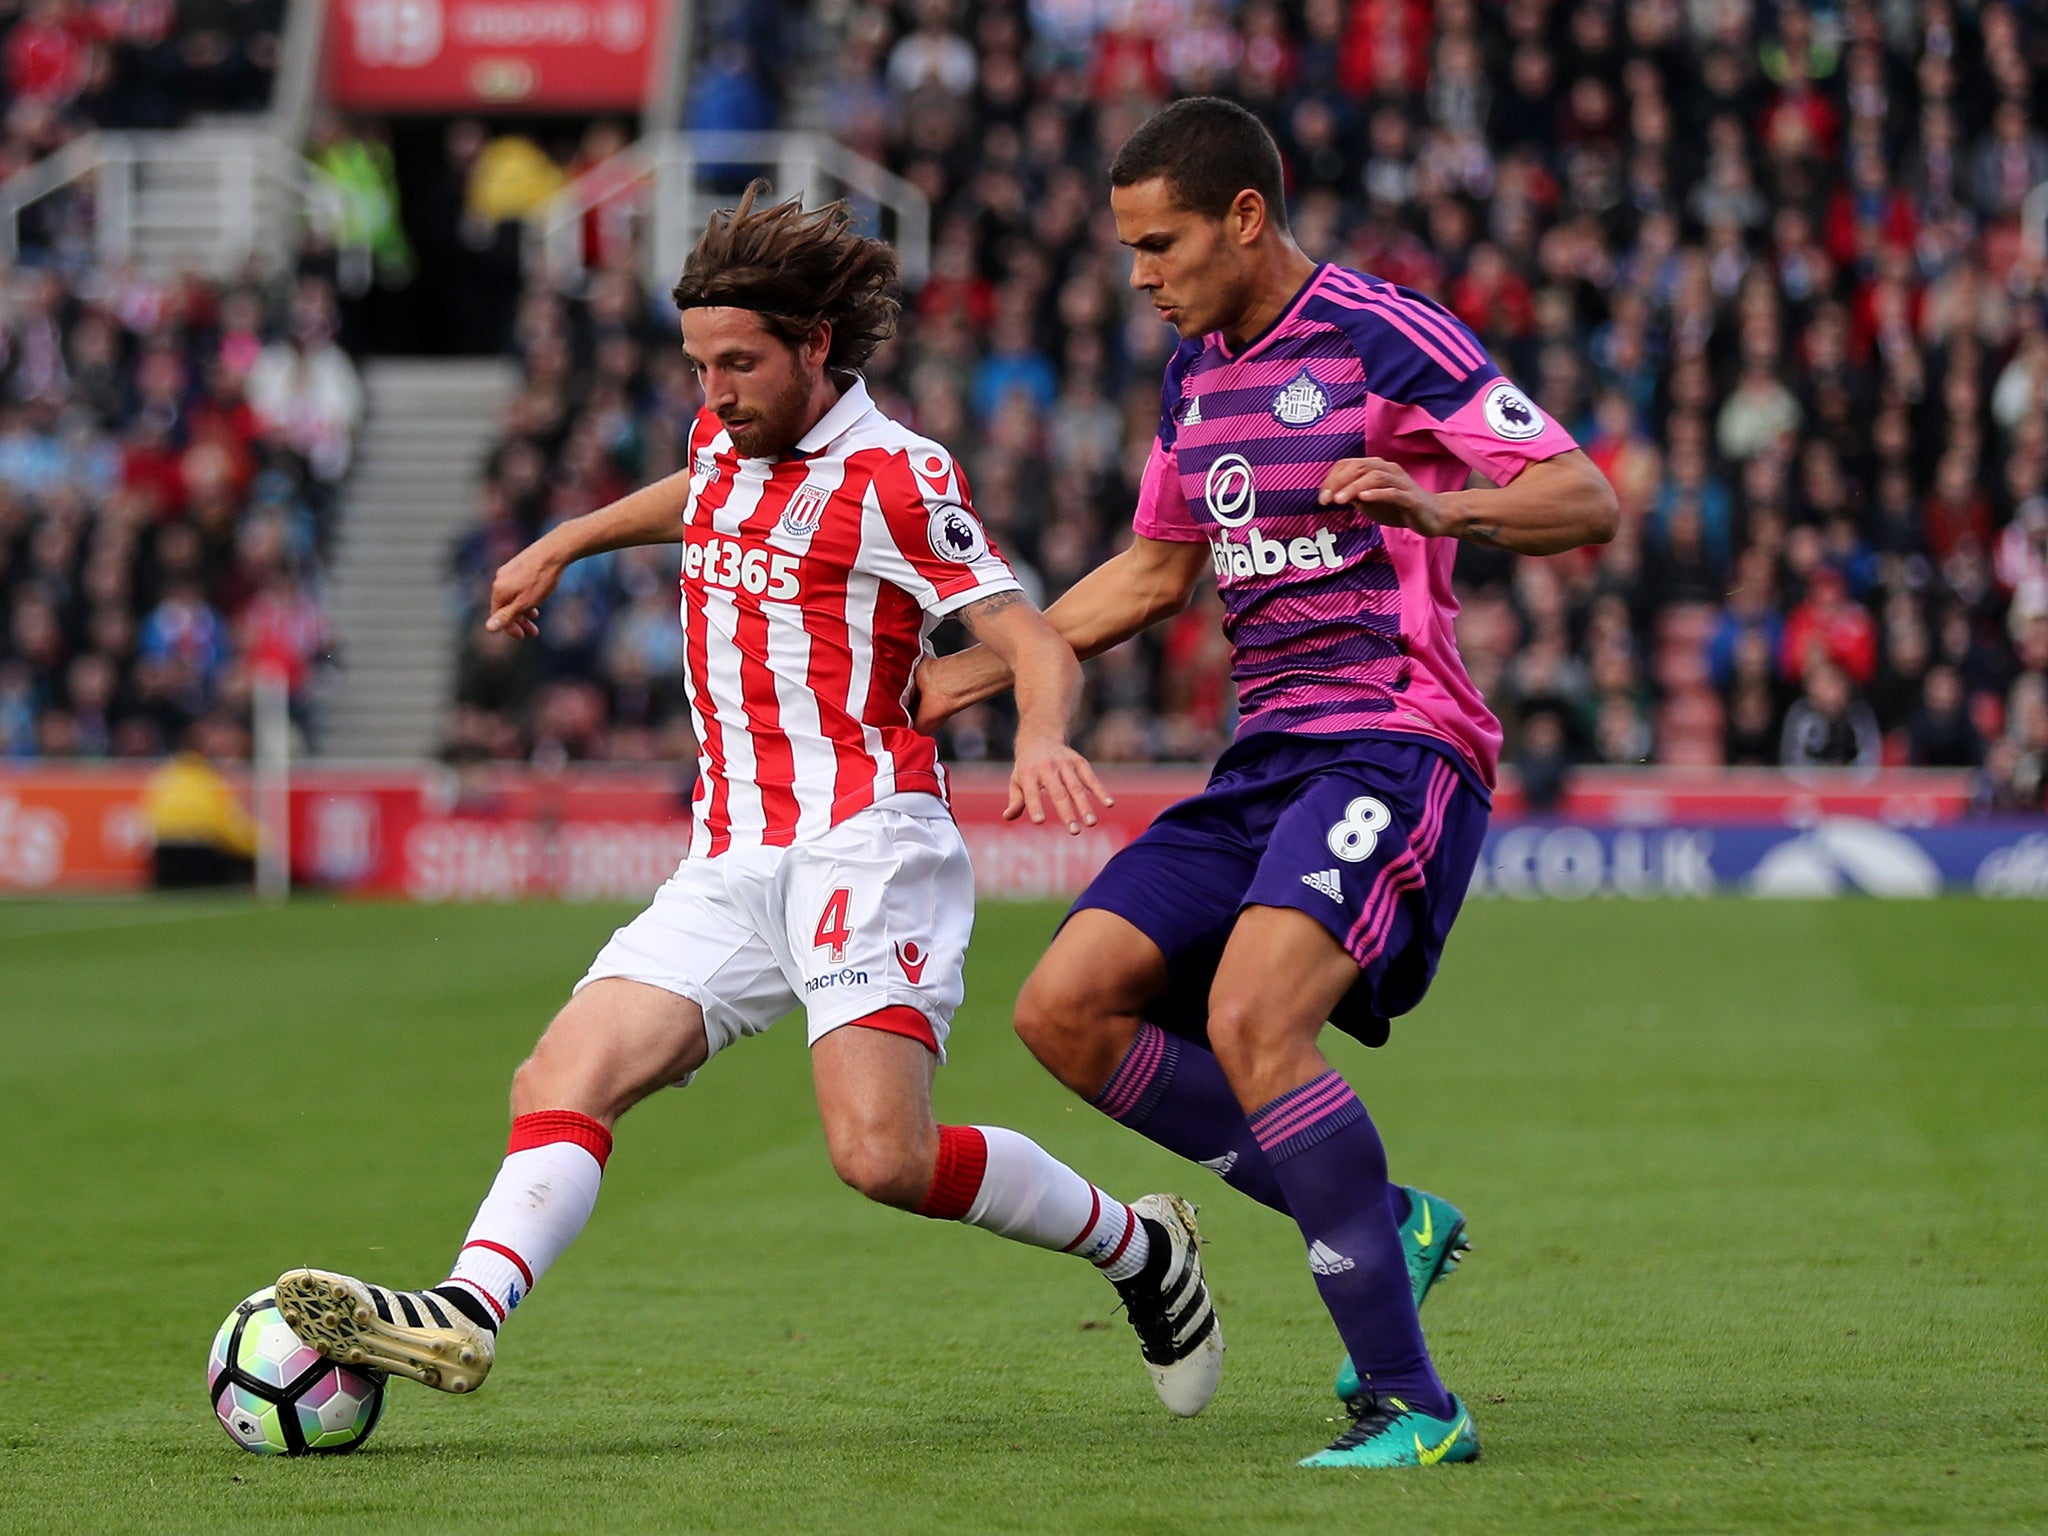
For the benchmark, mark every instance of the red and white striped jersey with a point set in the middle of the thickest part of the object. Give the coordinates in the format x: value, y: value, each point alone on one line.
x: 810, y: 588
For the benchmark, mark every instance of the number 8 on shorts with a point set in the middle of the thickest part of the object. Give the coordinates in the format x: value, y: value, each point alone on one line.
x: 1354, y: 838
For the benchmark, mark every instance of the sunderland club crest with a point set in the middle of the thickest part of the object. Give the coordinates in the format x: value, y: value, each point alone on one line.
x: 1301, y: 402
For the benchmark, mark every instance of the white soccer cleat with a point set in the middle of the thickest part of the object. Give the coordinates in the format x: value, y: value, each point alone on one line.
x: 1169, y: 1306
x: 407, y: 1333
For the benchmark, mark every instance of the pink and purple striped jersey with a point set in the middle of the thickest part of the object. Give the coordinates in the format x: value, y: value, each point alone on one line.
x: 1338, y: 625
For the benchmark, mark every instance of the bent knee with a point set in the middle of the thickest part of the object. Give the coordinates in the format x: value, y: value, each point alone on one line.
x: 1238, y: 1033
x: 1042, y: 1015
x: 886, y: 1170
x: 1072, y: 1034
x: 538, y: 1081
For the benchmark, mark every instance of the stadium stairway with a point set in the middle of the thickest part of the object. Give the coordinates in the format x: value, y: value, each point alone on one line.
x: 413, y: 489
x: 207, y: 199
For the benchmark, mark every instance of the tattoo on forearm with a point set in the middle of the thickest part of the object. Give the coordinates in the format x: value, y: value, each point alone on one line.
x: 974, y: 613
x: 1481, y: 533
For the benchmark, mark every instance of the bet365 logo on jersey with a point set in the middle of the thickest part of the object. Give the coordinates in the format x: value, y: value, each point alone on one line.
x: 727, y: 563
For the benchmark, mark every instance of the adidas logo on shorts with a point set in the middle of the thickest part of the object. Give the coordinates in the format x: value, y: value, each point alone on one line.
x: 1326, y: 881
x: 1325, y: 1260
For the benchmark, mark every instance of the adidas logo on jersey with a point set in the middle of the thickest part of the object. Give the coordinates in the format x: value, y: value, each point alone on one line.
x: 1325, y: 1260
x: 1326, y: 881
x: 1193, y: 418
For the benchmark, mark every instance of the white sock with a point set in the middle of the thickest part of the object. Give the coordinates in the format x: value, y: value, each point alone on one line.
x: 543, y: 1195
x: 1028, y: 1194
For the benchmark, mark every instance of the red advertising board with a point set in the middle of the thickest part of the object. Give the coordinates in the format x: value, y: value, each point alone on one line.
x: 493, y: 835
x: 72, y: 829
x: 506, y: 833
x: 471, y: 55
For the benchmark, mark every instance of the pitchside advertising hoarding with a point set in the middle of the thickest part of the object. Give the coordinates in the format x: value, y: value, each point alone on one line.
x: 496, y: 834
x: 474, y: 55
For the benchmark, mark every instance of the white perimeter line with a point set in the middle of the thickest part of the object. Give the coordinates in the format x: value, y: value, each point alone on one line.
x: 137, y: 920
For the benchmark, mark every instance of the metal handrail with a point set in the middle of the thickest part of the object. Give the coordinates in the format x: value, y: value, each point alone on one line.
x: 80, y: 158
x: 2034, y: 222
x: 801, y: 163
x: 241, y: 161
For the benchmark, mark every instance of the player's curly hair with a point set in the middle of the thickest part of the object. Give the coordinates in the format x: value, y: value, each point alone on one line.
x: 795, y: 269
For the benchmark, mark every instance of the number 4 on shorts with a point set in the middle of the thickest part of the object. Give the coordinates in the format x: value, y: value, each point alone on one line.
x: 832, y: 929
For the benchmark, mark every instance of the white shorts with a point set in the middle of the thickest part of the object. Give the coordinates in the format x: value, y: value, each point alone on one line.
x: 874, y: 914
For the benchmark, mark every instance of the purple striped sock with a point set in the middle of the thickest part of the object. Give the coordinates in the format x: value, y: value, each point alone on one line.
x: 1329, y: 1162
x: 1302, y: 1117
x: 1141, y: 1078
x: 1173, y: 1092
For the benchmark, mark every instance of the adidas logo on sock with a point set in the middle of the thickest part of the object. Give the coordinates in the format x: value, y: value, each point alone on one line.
x: 1220, y: 1166
x: 1327, y: 882
x: 1325, y: 1260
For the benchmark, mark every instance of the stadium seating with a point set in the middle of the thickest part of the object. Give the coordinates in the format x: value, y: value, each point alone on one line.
x: 1765, y: 260
x: 67, y: 66
x: 168, y: 457
x: 168, y: 449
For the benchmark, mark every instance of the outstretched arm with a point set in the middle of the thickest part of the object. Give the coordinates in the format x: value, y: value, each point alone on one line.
x: 1150, y: 581
x: 1550, y: 507
x: 651, y: 515
x: 1047, y: 770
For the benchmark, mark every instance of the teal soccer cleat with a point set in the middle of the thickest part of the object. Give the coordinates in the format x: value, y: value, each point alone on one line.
x: 1386, y: 1432
x: 1433, y: 1238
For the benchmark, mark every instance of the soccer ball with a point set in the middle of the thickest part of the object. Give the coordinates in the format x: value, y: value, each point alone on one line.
x: 277, y: 1396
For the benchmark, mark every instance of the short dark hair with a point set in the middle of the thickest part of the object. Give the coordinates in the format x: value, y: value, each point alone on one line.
x: 1207, y: 150
x: 795, y: 269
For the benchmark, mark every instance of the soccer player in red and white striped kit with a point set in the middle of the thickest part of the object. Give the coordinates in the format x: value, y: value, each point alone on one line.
x: 821, y: 545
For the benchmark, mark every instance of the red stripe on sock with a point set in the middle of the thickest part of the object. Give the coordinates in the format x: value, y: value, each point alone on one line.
x: 499, y: 1248
x: 963, y: 1159
x: 901, y: 1019
x: 1130, y: 1226
x: 489, y: 1300
x: 1094, y: 1215
x: 545, y: 1127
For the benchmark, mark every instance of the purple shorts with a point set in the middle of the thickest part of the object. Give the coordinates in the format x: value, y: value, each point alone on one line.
x: 1373, y: 837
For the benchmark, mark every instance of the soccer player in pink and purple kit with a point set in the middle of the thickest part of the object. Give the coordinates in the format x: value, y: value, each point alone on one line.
x: 1317, y: 431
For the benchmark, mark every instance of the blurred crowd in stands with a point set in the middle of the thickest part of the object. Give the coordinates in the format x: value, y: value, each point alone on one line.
x: 1775, y: 264
x: 1766, y: 260
x: 169, y: 456
x: 168, y: 449
x: 73, y: 65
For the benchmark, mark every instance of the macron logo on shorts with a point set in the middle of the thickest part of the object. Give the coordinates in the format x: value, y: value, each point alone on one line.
x: 1327, y: 882
x: 913, y: 960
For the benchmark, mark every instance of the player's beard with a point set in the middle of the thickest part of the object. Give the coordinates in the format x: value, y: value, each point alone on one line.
x: 773, y: 427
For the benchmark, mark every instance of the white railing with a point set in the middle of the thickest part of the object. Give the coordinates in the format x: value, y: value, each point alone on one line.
x: 2034, y: 223
x: 210, y: 200
x: 675, y: 181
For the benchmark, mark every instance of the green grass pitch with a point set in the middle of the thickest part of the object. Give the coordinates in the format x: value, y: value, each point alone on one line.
x: 1757, y: 1192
